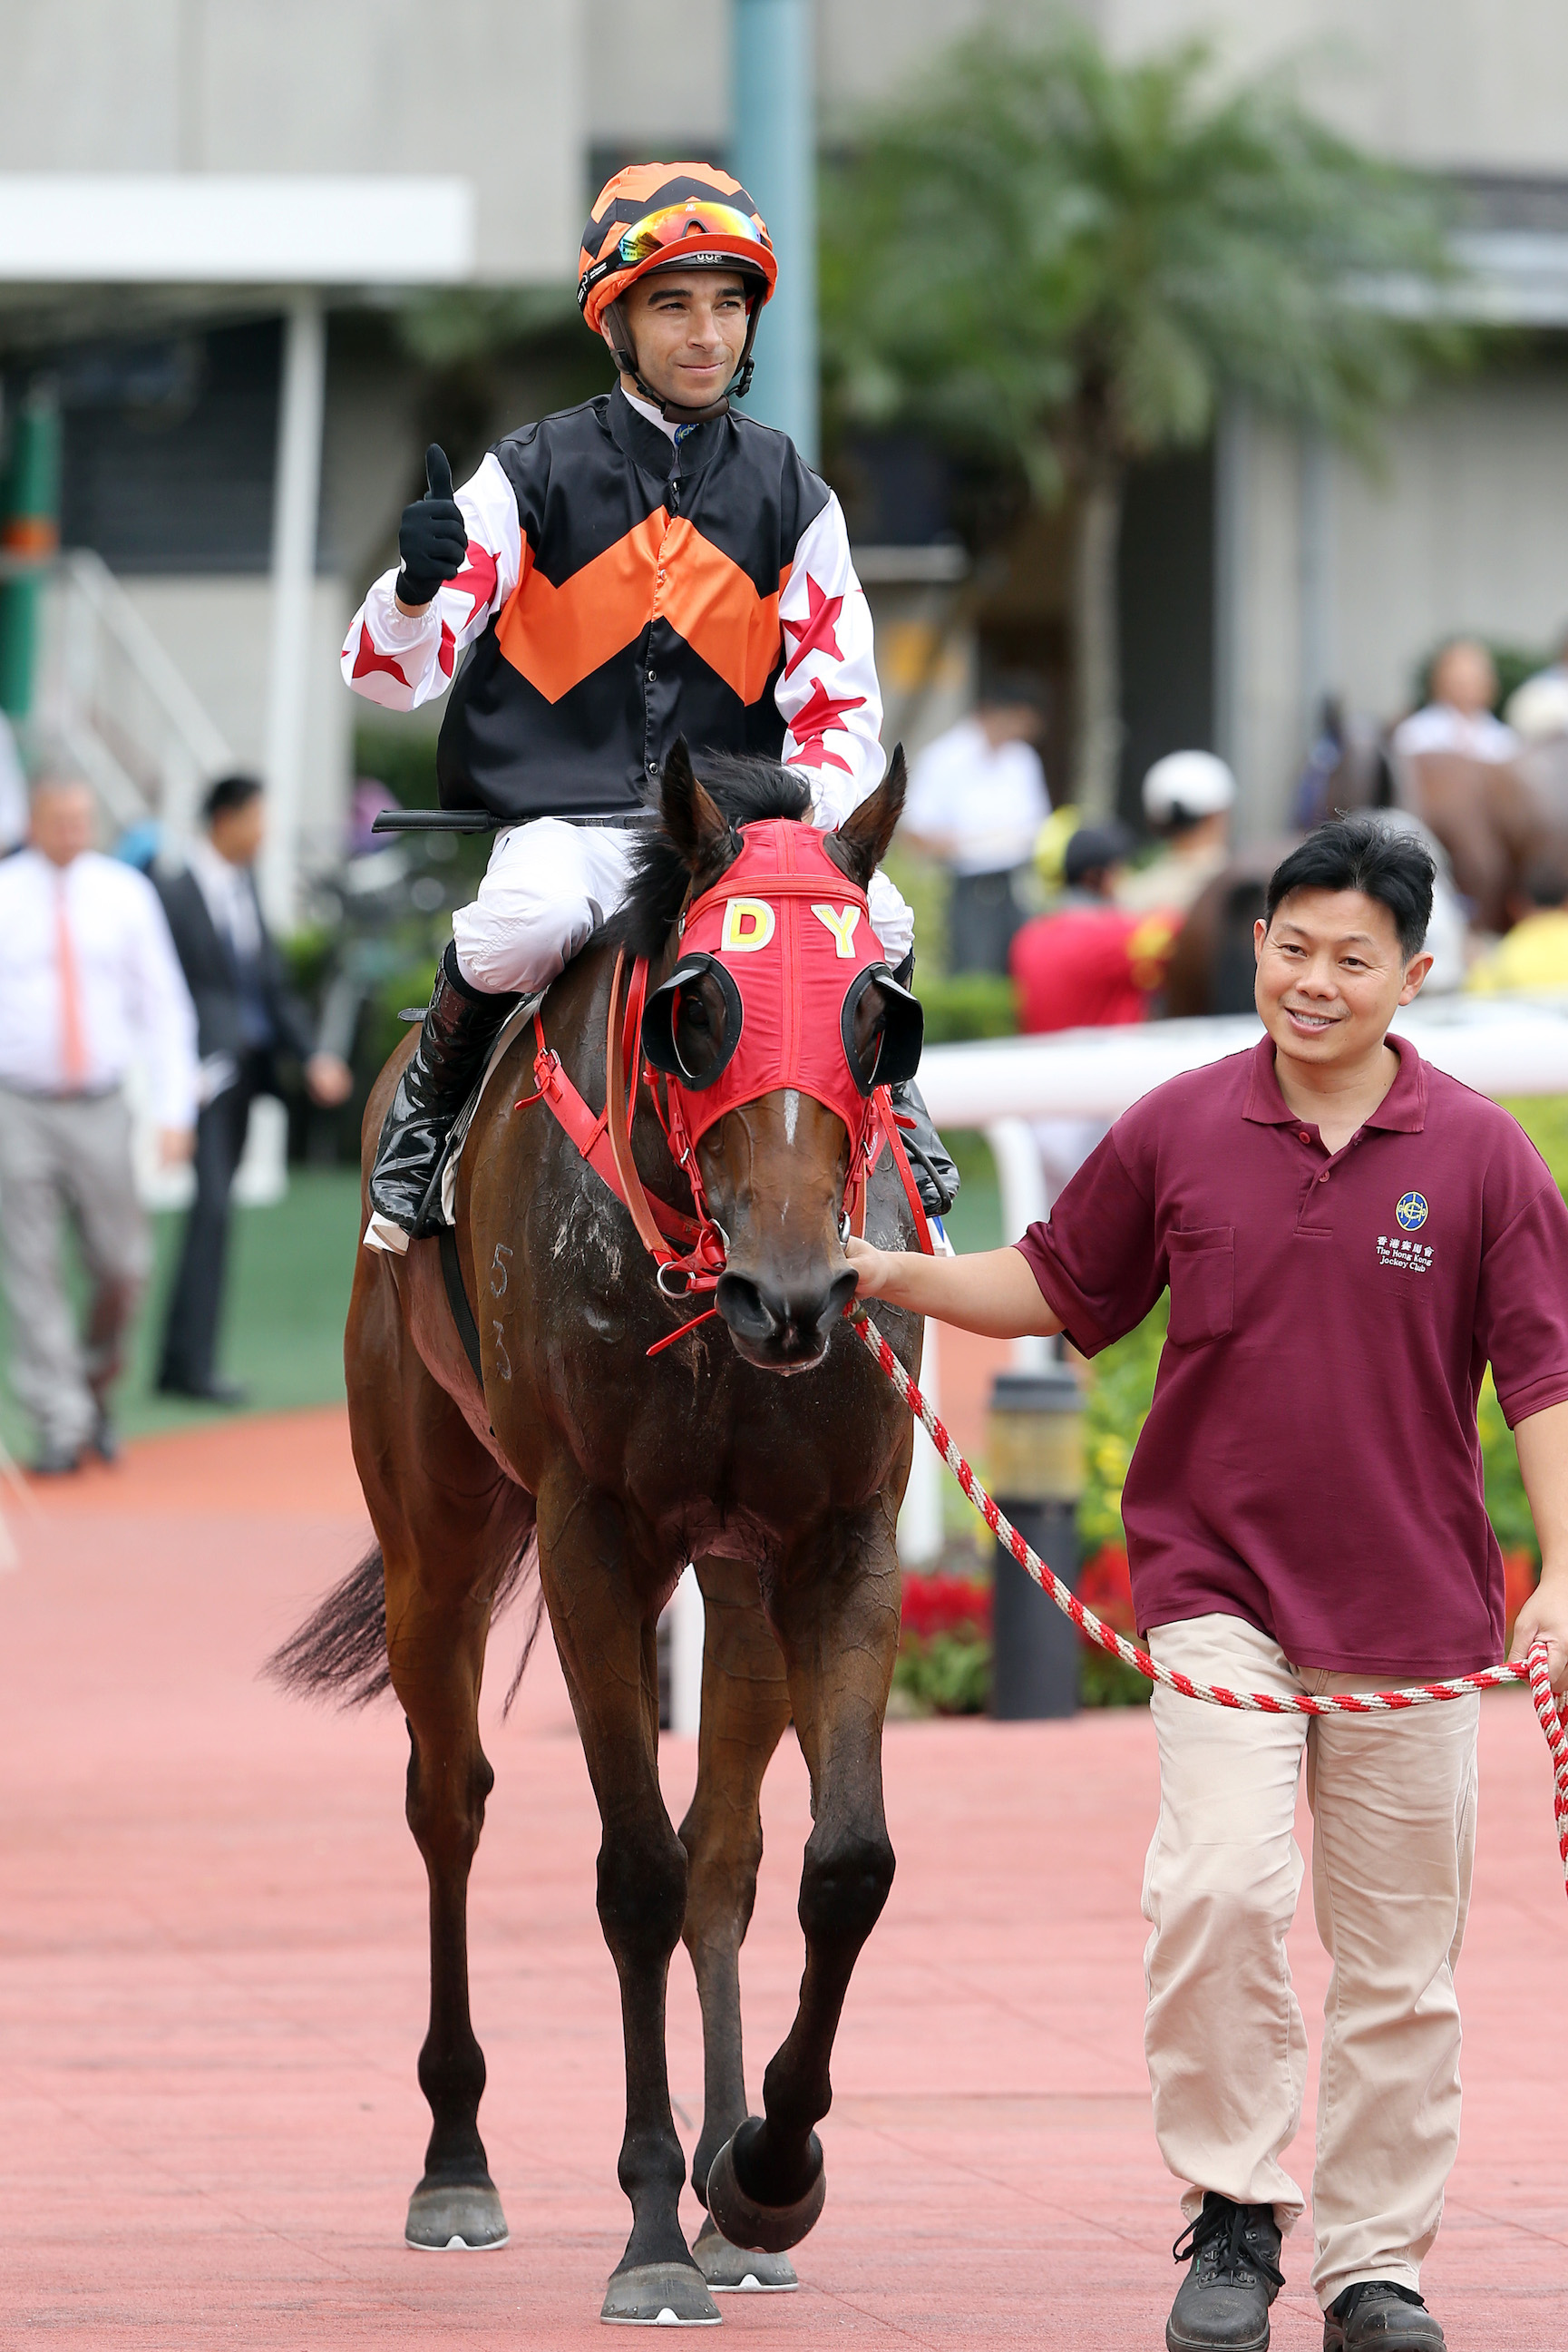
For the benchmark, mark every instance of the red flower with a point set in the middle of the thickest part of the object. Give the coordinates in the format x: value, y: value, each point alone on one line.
x: 1106, y: 1587
x: 947, y: 1604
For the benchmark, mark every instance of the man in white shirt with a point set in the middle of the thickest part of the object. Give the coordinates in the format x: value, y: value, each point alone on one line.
x: 88, y: 981
x: 977, y: 802
x: 1458, y: 716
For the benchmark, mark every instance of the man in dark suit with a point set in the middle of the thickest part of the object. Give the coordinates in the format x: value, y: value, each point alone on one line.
x: 245, y: 1017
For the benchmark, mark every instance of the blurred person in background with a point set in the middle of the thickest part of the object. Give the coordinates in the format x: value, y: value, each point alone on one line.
x: 1533, y: 959
x: 1187, y: 800
x: 1538, y: 709
x: 13, y: 792
x: 1090, y: 964
x: 246, y: 1018
x: 1087, y: 964
x: 89, y: 979
x: 1457, y: 716
x: 976, y: 804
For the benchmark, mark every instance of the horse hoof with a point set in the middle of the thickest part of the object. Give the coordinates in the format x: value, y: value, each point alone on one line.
x: 456, y: 2220
x: 765, y: 2229
x: 660, y: 2294
x: 729, y: 2270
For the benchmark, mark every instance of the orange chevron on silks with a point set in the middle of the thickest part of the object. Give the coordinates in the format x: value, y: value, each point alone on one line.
x: 554, y: 637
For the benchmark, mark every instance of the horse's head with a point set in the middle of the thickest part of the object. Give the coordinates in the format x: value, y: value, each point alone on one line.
x: 776, y: 979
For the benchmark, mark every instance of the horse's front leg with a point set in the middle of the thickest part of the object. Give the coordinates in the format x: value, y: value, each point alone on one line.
x: 605, y: 1608
x: 745, y: 1712
x: 837, y: 1621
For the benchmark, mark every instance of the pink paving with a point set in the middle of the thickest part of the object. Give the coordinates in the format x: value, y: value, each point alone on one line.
x: 212, y: 1988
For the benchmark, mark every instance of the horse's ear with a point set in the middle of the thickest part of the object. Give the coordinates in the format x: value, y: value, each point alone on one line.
x: 693, y: 819
x: 865, y: 833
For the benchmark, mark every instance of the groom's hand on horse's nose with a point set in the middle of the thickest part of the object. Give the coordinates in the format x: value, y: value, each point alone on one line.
x: 432, y: 541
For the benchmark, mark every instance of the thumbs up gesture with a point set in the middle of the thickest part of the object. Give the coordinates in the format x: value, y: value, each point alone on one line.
x: 432, y: 540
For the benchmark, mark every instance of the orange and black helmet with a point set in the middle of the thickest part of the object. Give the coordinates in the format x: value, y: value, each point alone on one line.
x: 668, y: 216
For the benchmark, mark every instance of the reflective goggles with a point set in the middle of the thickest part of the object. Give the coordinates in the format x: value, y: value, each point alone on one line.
x: 690, y: 223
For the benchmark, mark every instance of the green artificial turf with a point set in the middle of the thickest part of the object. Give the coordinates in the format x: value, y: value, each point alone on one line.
x: 290, y: 1268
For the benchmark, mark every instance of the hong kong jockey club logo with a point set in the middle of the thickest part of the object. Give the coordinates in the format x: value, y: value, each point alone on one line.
x: 1411, y: 1212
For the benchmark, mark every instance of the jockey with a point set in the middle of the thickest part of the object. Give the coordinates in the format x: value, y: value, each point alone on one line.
x: 646, y: 566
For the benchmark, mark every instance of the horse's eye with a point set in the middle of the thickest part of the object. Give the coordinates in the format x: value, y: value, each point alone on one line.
x: 699, y: 1027
x: 870, y: 1028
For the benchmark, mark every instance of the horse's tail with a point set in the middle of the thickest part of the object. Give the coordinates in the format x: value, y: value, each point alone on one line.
x: 340, y: 1651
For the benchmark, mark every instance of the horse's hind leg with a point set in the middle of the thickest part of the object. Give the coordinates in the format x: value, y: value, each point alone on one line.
x: 837, y: 1621
x: 605, y: 1616
x: 446, y: 1547
x: 745, y: 1711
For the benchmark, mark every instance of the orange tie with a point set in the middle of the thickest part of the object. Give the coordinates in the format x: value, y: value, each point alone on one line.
x: 73, y: 1044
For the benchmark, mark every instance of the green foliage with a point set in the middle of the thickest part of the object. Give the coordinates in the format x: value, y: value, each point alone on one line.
x: 1064, y: 259
x: 1114, y: 1412
x: 1104, y: 1681
x: 969, y: 1004
x: 400, y: 755
x: 948, y: 1674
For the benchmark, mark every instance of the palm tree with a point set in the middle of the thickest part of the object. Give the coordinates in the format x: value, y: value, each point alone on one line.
x: 1065, y: 261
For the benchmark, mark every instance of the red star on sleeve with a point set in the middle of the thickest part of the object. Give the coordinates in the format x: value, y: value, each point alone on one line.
x: 816, y: 715
x: 815, y: 633
x: 477, y: 578
x: 368, y: 660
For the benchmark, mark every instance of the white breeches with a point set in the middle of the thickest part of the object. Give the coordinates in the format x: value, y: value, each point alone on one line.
x: 549, y: 885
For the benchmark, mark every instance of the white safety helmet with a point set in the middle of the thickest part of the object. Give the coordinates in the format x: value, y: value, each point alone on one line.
x: 1188, y: 785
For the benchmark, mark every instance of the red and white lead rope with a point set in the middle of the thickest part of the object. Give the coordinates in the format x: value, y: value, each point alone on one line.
x: 1094, y: 1629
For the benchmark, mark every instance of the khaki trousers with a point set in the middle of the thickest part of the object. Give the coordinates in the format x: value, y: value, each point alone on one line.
x: 68, y: 1152
x: 1394, y: 1809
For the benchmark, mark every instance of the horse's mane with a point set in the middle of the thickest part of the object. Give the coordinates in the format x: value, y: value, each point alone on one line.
x: 746, y: 789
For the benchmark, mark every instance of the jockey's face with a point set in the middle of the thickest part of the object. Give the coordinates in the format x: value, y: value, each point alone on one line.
x: 688, y: 329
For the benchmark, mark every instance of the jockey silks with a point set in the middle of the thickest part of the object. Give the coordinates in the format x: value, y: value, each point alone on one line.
x: 623, y: 589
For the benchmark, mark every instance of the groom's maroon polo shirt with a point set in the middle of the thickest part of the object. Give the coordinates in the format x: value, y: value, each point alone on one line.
x: 1311, y: 1461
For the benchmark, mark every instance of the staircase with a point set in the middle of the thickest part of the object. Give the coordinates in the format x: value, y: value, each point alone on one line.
x: 112, y: 696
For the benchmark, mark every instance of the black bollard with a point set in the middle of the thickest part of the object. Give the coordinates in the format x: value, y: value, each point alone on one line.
x: 1036, y: 1461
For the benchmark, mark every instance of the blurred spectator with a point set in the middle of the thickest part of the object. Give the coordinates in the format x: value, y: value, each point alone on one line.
x: 1538, y: 709
x: 1533, y: 959
x: 88, y: 978
x: 1187, y: 800
x: 1458, y: 716
x: 977, y: 801
x: 13, y: 792
x: 1091, y: 964
x: 245, y: 1016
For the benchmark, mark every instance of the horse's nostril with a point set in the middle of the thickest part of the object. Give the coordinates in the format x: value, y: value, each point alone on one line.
x: 743, y: 1306
x: 792, y: 1323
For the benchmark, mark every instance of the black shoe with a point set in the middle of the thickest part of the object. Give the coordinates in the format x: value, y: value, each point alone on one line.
x: 55, y: 1461
x: 214, y: 1390
x: 459, y: 1029
x: 1375, y: 2315
x: 103, y: 1441
x: 935, y: 1179
x: 1222, y: 2305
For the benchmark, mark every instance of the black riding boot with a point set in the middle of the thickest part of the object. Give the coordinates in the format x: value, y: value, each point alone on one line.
x: 459, y: 1029
x: 935, y: 1177
x: 1222, y: 2305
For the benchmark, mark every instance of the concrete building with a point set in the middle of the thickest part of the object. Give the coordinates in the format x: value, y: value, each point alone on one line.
x: 228, y: 238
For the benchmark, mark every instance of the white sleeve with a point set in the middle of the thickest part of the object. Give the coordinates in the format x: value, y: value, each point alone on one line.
x: 826, y: 692
x: 162, y: 1012
x: 401, y: 659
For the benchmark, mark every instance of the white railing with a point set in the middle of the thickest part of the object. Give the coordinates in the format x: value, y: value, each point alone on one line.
x: 116, y: 701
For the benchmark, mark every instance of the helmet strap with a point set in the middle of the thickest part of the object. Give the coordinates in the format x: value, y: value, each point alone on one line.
x: 624, y: 353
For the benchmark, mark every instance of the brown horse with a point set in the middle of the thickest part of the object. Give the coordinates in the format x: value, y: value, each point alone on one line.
x: 618, y: 1470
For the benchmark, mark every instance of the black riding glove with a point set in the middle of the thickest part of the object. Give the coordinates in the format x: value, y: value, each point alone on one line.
x: 431, y: 539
